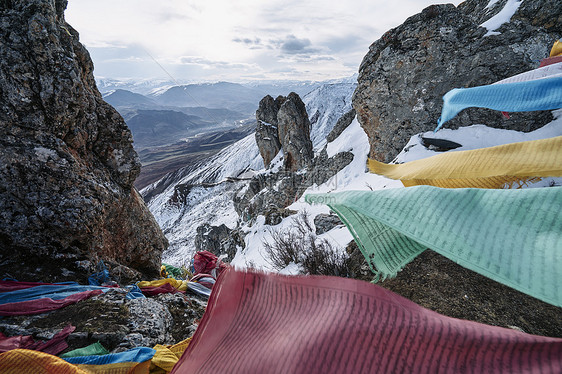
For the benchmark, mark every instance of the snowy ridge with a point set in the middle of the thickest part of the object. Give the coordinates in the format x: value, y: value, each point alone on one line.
x: 325, y: 105
x: 356, y: 177
x: 214, y: 205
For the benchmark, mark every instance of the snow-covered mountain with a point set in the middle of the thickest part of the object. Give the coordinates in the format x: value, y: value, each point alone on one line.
x: 143, y: 87
x: 179, y: 216
x: 203, y: 194
x: 325, y: 105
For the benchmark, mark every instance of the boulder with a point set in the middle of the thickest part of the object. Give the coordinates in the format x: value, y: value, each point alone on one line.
x: 326, y: 222
x: 67, y: 163
x: 407, y: 71
x: 219, y: 240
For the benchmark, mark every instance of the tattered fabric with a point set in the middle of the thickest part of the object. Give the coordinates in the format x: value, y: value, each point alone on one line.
x: 136, y: 360
x: 44, y: 305
x: 167, y: 356
x: 178, y: 284
x: 94, y: 349
x: 20, y: 361
x: 54, y: 346
x: 511, y: 236
x: 53, y: 291
x: 270, y: 323
x: 157, y: 290
x: 541, y: 94
x: 550, y: 71
x: 12, y: 285
x: 492, y: 167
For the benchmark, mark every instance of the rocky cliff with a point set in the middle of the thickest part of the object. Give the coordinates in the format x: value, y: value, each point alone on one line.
x: 67, y: 164
x: 283, y: 124
x: 407, y: 71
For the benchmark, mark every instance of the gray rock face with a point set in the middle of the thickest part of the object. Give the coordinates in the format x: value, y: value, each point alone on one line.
x: 326, y: 222
x: 267, y: 137
x: 267, y: 193
x: 283, y: 124
x: 407, y: 71
x: 294, y: 133
x: 67, y: 164
x: 219, y: 240
x: 341, y: 125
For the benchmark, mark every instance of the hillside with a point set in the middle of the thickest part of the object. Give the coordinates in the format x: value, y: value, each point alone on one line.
x: 243, y: 201
x: 435, y: 173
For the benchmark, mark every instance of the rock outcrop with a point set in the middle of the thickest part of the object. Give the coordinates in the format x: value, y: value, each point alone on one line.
x: 267, y: 137
x: 294, y: 133
x: 67, y: 164
x: 268, y: 193
x: 407, y: 71
x: 342, y: 124
x: 115, y: 321
x: 219, y: 240
x: 283, y: 124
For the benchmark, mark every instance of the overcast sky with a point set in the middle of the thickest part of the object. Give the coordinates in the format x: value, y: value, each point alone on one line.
x: 240, y: 40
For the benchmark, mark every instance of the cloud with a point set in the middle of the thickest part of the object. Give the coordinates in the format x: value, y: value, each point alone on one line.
x: 207, y: 63
x: 248, y: 41
x: 293, y: 45
x: 203, y: 40
x: 298, y: 58
x: 345, y: 43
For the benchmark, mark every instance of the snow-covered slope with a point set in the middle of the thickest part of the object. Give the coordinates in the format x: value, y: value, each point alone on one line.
x: 355, y: 177
x: 213, y: 204
x: 325, y: 105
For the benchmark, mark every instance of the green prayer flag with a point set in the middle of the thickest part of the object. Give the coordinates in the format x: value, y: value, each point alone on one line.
x: 511, y: 236
x: 95, y: 349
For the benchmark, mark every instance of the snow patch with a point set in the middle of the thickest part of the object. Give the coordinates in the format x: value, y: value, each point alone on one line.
x: 502, y: 17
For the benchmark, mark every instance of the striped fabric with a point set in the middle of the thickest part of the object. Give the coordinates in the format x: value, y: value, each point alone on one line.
x: 53, y: 346
x: 44, y: 305
x: 53, y: 291
x: 541, y: 94
x: 550, y: 71
x: 179, y: 284
x: 23, y: 361
x: 90, y: 350
x: 12, y: 285
x: 511, y: 236
x: 550, y: 61
x: 492, y: 167
x: 556, y: 49
x: 269, y: 323
x: 167, y: 356
x: 136, y: 360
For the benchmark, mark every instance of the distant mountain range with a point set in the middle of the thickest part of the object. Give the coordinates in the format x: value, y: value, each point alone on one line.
x: 161, y: 115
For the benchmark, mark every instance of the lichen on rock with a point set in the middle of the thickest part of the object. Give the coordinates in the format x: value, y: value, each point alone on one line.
x: 67, y: 164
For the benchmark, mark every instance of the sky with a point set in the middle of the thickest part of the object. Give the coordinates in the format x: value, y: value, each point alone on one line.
x: 236, y: 41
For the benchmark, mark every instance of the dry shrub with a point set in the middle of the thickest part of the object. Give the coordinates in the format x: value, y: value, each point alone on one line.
x: 299, y: 244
